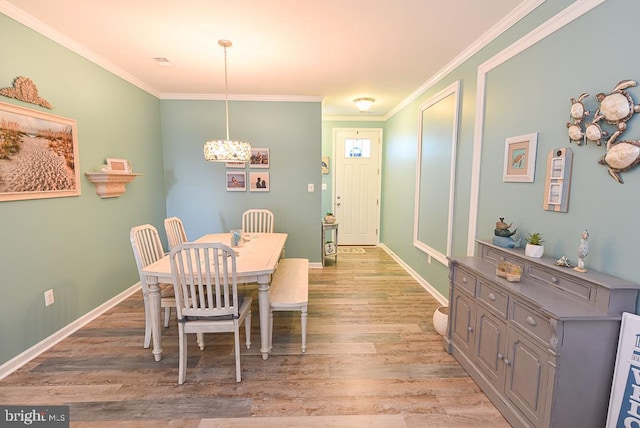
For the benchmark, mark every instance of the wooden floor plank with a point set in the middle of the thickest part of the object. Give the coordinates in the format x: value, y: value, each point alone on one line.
x: 373, y: 360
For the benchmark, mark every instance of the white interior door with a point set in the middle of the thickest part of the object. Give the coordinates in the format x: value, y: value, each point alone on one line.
x: 357, y: 185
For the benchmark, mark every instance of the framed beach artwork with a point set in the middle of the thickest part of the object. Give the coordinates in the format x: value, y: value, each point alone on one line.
x: 38, y: 155
x: 520, y: 158
x: 236, y: 181
x: 259, y: 181
x: 259, y: 158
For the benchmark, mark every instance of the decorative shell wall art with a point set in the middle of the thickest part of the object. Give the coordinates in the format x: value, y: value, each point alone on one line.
x: 615, y: 109
x: 25, y: 90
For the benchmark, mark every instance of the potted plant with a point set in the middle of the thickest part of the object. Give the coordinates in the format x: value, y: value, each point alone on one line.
x: 534, y: 247
x: 329, y: 218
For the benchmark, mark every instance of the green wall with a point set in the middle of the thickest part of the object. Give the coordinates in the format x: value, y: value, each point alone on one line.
x: 196, y: 188
x: 528, y: 93
x: 79, y: 246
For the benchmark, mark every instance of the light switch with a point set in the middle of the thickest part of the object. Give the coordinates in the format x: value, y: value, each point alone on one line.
x: 310, y: 187
x: 324, y: 186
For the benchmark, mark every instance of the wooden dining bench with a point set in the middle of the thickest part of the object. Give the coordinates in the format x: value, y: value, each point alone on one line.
x: 290, y: 292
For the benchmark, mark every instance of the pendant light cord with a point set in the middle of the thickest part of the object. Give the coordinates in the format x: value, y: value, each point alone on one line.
x: 226, y: 92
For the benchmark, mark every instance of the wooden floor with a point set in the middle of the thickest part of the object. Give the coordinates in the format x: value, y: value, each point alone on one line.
x: 373, y: 360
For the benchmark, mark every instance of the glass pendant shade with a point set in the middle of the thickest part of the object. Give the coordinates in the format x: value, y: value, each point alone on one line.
x: 227, y: 150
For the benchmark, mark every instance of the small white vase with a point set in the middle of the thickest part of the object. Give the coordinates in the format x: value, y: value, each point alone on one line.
x: 534, y: 250
x: 440, y: 320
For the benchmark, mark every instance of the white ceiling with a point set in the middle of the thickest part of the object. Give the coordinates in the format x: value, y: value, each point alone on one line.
x: 329, y: 50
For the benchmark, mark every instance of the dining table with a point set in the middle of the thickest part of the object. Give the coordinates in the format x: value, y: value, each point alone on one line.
x: 257, y: 258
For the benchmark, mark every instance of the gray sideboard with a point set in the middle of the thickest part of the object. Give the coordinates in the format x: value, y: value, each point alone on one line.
x: 542, y: 349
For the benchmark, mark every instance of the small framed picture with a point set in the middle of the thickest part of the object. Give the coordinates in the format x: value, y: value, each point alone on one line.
x: 259, y: 158
x: 520, y: 158
x: 259, y: 181
x: 325, y: 165
x: 121, y: 166
x: 236, y: 164
x: 236, y: 181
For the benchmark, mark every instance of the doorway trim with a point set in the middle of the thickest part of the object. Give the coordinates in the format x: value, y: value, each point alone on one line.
x: 334, y: 132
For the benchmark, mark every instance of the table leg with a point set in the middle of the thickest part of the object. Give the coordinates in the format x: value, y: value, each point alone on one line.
x: 154, y: 311
x: 263, y: 305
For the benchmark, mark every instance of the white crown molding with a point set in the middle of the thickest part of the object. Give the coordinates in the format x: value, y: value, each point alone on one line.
x: 354, y: 118
x: 516, y: 15
x: 558, y: 21
x: 42, y: 28
x: 243, y: 97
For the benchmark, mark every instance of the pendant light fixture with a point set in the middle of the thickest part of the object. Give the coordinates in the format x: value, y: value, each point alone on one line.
x: 226, y: 150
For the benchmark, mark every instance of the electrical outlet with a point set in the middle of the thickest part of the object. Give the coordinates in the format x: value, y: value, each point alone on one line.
x: 310, y: 187
x: 48, y: 297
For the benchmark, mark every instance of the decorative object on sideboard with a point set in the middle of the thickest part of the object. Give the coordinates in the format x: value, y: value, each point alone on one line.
x: 583, y: 251
x: 329, y: 218
x: 24, y: 89
x: 503, y: 236
x: 615, y: 109
x: 510, y: 271
x: 563, y: 261
x: 441, y: 319
x: 534, y: 247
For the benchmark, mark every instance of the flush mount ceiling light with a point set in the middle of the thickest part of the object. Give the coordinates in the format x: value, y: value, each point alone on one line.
x: 226, y: 150
x: 364, y: 104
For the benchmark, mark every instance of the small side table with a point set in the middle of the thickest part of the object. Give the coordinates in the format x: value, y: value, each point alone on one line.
x: 332, y: 228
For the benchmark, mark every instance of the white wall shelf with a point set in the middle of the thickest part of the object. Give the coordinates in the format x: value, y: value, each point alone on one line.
x: 110, y: 185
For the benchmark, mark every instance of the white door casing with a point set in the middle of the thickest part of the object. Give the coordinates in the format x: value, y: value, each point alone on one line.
x: 356, y: 192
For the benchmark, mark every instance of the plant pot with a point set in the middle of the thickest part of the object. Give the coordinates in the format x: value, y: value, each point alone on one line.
x: 441, y: 319
x: 329, y: 219
x: 534, y: 250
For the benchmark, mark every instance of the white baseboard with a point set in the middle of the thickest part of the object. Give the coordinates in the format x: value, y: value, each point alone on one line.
x: 21, y: 359
x: 423, y: 282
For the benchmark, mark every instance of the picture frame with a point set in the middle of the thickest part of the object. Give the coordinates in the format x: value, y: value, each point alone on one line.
x: 236, y: 181
x: 626, y: 371
x: 325, y: 165
x: 24, y: 130
x: 520, y: 158
x: 259, y: 177
x: 118, y: 166
x: 236, y: 164
x: 259, y: 158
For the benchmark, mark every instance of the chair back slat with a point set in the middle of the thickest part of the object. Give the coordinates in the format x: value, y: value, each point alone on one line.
x: 205, y: 280
x: 257, y: 221
x: 147, y: 248
x: 176, y: 234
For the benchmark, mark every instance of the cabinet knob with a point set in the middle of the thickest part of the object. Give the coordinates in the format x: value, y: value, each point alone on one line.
x: 500, y: 356
x: 554, y: 279
x: 464, y: 279
x: 492, y: 296
x: 507, y: 362
x: 470, y: 329
x: 502, y: 258
x: 531, y: 321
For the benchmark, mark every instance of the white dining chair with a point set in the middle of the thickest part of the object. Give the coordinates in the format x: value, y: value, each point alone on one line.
x: 175, y: 232
x: 147, y: 248
x: 257, y: 221
x: 206, y: 289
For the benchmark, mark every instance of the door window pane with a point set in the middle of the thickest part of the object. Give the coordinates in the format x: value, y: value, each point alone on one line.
x: 357, y: 148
